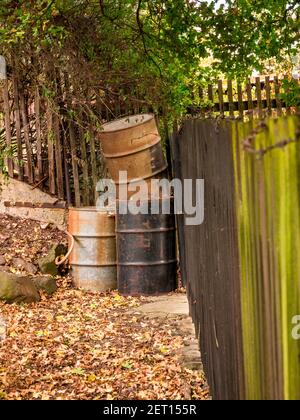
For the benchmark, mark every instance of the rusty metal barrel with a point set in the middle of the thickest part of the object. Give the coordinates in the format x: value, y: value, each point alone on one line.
x: 133, y: 144
x: 93, y: 258
x: 146, y: 250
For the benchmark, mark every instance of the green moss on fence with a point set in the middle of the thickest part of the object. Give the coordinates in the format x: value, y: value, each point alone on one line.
x: 267, y: 169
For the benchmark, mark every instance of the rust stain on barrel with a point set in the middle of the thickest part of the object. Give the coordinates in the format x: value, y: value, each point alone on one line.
x: 146, y: 249
x: 133, y: 144
x: 93, y: 258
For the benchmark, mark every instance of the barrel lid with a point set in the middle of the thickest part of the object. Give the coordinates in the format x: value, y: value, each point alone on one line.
x: 126, y: 122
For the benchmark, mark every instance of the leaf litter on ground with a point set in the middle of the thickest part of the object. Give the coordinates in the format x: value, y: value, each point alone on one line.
x: 79, y: 345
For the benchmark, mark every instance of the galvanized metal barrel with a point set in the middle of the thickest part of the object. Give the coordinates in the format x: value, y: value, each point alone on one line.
x: 133, y: 144
x: 146, y: 251
x: 93, y: 258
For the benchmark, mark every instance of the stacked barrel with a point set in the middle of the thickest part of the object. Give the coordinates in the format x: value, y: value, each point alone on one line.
x: 146, y: 253
x: 135, y: 252
x: 133, y: 144
x: 146, y: 242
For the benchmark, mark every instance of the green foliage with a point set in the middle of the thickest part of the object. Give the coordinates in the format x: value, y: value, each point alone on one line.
x: 5, y: 152
x: 155, y: 47
x: 292, y: 93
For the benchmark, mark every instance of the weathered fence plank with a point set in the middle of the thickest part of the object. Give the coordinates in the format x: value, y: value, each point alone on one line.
x: 249, y: 98
x: 58, y: 157
x: 50, y: 142
x: 220, y: 95
x: 38, y: 134
x: 73, y: 147
x: 6, y: 107
x: 17, y: 117
x: 85, y: 171
x: 243, y: 262
x: 211, y: 255
x: 268, y: 94
x: 277, y: 95
x: 230, y: 98
x: 258, y: 95
x: 43, y: 149
x: 240, y: 101
x: 25, y: 127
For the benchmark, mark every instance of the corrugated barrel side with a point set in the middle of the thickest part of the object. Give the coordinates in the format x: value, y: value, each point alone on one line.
x: 133, y: 144
x: 93, y: 258
x: 146, y: 249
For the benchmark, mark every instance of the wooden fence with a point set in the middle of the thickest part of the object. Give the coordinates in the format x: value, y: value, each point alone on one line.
x: 48, y: 147
x: 257, y: 97
x: 242, y: 265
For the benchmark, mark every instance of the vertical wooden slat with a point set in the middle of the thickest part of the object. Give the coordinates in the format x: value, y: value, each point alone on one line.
x: 85, y: 169
x: 58, y: 157
x: 66, y: 170
x: 58, y: 86
x: 168, y: 148
x: 258, y: 95
x: 38, y: 134
x: 74, y: 163
x: 99, y: 106
x: 201, y: 96
x: 18, y: 128
x: 93, y: 162
x: 210, y: 92
x: 249, y: 98
x: 220, y: 96
x: 106, y: 107
x: 126, y: 105
x: 277, y: 95
x: 50, y: 140
x: 137, y: 103
x: 287, y: 91
x: 268, y: 94
x: 6, y: 108
x: 240, y: 101
x: 230, y: 98
x: 24, y: 114
x: 116, y: 106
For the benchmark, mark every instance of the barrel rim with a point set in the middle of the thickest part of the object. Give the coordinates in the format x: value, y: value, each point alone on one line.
x: 146, y: 263
x: 93, y: 209
x: 109, y: 264
x: 144, y: 178
x: 132, y: 152
x: 130, y: 126
x: 143, y: 231
x: 148, y: 200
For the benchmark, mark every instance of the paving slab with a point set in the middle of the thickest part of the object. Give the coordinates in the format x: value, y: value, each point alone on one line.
x: 175, y: 307
x: 174, y: 304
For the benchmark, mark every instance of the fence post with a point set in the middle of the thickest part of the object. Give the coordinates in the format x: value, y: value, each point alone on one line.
x: 268, y: 95
x: 25, y: 122
x: 277, y: 95
x: 6, y: 108
x: 221, y: 99
x: 38, y: 134
x: 240, y: 101
x: 230, y: 98
x: 249, y: 97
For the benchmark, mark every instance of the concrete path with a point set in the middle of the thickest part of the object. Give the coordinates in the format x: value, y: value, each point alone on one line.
x: 176, y: 308
x: 173, y: 304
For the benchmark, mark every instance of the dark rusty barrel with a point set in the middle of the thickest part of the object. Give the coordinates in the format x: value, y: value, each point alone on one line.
x: 93, y: 258
x: 133, y: 144
x: 146, y: 251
